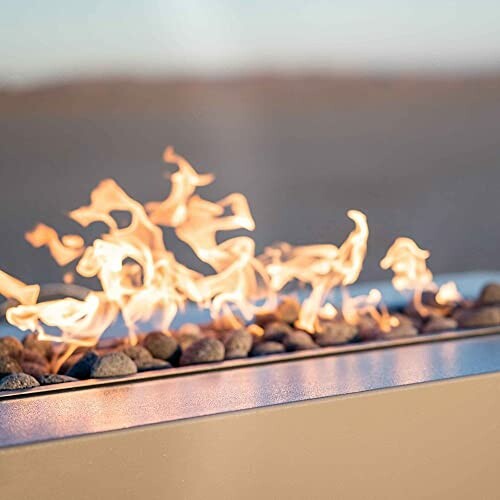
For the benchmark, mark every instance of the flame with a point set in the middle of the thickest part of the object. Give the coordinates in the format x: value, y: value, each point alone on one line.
x: 323, y: 267
x: 448, y: 294
x: 12, y: 288
x: 63, y: 250
x: 144, y: 282
x: 408, y: 262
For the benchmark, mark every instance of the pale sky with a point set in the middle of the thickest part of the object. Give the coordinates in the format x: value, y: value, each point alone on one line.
x: 43, y: 40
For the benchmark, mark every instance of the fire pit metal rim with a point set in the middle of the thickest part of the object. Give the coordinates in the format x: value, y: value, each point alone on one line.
x: 254, y: 361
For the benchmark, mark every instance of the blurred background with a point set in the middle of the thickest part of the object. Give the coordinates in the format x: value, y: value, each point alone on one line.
x: 308, y: 108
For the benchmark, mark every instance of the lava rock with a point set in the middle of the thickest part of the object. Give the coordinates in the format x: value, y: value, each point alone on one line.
x: 34, y: 356
x: 154, y: 364
x: 238, y: 344
x: 288, y: 310
x: 9, y: 365
x: 299, y: 341
x: 34, y: 369
x: 368, y: 329
x: 335, y: 333
x: 478, y: 317
x: 113, y: 364
x: 406, y: 328
x: 161, y: 346
x: 267, y: 348
x: 490, y: 294
x: 55, y: 378
x: 188, y: 334
x: 138, y: 354
x: 264, y: 318
x: 82, y: 368
x: 277, y: 331
x: 43, y: 347
x: 439, y: 324
x: 16, y: 381
x: 11, y: 347
x: 203, y: 351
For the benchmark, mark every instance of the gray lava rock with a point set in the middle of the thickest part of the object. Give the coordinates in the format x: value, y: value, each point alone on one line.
x: 154, y: 364
x: 406, y: 328
x: 335, y: 333
x: 277, y: 331
x: 203, y: 351
x: 113, y: 364
x: 479, y: 317
x: 11, y: 347
x: 55, y: 378
x: 16, y: 381
x: 440, y: 324
x: 9, y: 365
x: 161, y: 346
x: 188, y: 334
x: 82, y: 368
x: 34, y: 356
x: 490, y: 294
x: 288, y: 310
x: 299, y: 341
x: 138, y: 354
x: 238, y: 344
x: 266, y: 348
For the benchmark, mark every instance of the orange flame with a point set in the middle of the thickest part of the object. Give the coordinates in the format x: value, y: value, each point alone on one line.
x: 408, y: 262
x: 12, y: 288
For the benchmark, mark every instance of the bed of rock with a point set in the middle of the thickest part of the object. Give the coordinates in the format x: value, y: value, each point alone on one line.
x: 27, y: 364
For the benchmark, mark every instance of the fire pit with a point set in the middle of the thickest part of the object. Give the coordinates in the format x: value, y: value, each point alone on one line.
x: 207, y: 357
x: 291, y: 301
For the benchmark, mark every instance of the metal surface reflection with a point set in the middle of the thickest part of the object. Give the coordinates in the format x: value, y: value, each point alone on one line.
x: 106, y: 408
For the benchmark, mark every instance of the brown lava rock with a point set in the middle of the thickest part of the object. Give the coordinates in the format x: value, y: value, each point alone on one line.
x: 16, y: 381
x: 406, y: 328
x: 263, y: 318
x: 161, y: 346
x: 277, y: 331
x: 490, y: 294
x: 299, y: 341
x: 55, y: 378
x: 334, y: 333
x: 34, y: 369
x: 82, y: 368
x: 266, y: 348
x: 113, y: 364
x: 288, y: 310
x: 8, y: 366
x: 11, y: 347
x: 43, y: 347
x: 238, y: 344
x: 203, y: 351
x: 478, y: 317
x: 33, y: 356
x: 439, y: 324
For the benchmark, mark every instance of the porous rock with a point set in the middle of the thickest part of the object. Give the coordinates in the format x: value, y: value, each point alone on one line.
x: 11, y: 346
x: 82, y: 368
x: 238, y: 344
x: 490, y: 294
x: 478, y: 317
x: 277, y: 331
x: 267, y: 348
x: 439, y: 324
x: 299, y: 341
x: 43, y: 347
x: 113, y: 364
x: 55, y: 378
x: 138, y: 354
x: 161, y: 346
x: 288, y: 310
x: 34, y: 369
x: 16, y: 381
x: 335, y: 333
x: 203, y: 351
x: 9, y: 365
x: 153, y: 364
